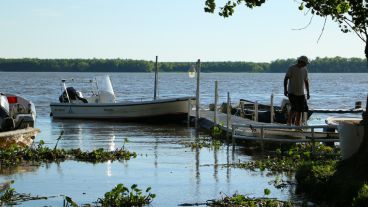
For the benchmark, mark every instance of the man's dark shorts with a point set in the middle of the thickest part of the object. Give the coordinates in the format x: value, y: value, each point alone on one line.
x: 298, y: 103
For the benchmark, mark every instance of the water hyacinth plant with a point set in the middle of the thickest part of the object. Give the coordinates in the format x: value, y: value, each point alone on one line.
x: 122, y: 196
x: 14, y: 155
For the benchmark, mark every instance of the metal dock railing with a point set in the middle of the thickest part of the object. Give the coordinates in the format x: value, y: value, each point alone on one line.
x: 284, y: 133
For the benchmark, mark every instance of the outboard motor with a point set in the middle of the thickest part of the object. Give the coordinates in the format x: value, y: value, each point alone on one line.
x: 6, y: 122
x: 73, y: 94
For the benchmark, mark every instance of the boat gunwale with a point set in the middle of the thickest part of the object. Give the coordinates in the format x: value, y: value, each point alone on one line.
x: 128, y: 103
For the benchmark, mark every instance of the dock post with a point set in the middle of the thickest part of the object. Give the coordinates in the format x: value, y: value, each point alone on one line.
x: 233, y: 135
x: 216, y: 100
x: 156, y: 79
x: 256, y: 111
x: 313, y: 142
x: 271, y: 109
x: 262, y: 137
x: 198, y: 69
x: 189, y: 111
x: 228, y: 116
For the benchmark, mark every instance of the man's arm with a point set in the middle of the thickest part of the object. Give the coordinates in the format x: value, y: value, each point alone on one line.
x: 285, y: 85
x: 307, y: 87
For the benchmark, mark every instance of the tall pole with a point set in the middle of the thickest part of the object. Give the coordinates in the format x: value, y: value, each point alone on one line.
x: 198, y: 69
x: 271, y: 109
x: 156, y: 79
x: 228, y: 116
x: 216, y: 100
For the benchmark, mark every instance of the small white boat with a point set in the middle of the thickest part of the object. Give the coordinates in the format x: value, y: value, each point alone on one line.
x: 17, y: 118
x: 102, y: 105
x: 16, y: 112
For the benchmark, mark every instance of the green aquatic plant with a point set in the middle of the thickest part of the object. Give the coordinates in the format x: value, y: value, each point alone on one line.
x: 208, y: 143
x: 267, y: 191
x: 68, y: 202
x: 7, y: 196
x: 10, y: 197
x: 238, y: 200
x: 15, y: 155
x: 362, y: 198
x: 100, y: 155
x: 292, y: 159
x: 122, y: 196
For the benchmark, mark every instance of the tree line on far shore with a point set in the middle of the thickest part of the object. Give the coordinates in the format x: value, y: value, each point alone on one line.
x: 318, y: 65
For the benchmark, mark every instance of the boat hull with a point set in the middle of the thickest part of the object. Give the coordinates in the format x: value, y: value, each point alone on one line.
x: 145, y: 110
x: 20, y: 137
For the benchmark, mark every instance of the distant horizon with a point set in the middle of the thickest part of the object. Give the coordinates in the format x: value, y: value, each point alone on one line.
x: 154, y: 59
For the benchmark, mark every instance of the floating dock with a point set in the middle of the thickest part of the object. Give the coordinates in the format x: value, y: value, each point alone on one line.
x: 238, y: 128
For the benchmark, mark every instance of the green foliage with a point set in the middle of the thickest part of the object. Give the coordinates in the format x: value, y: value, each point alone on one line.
x: 208, y: 143
x: 15, y: 155
x: 68, y: 202
x: 267, y: 191
x: 7, y: 196
x: 238, y: 200
x: 336, y: 64
x: 122, y: 196
x: 314, y: 178
x: 362, y: 198
x: 291, y: 160
x: 10, y: 197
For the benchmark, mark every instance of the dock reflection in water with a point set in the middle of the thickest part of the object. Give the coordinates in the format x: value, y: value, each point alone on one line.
x: 176, y: 172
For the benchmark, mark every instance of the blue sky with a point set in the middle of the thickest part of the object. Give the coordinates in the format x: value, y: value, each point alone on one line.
x: 175, y: 30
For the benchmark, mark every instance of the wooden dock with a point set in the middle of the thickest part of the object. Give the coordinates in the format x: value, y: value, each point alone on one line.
x: 245, y: 129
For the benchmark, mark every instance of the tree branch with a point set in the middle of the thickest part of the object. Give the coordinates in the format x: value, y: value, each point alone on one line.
x: 323, y: 29
x: 309, y: 23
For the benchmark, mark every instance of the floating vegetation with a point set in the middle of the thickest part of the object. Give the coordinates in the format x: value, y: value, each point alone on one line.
x: 11, y: 197
x: 122, y: 196
x: 208, y: 143
x: 238, y: 200
x: 118, y: 196
x: 14, y: 155
x: 290, y: 160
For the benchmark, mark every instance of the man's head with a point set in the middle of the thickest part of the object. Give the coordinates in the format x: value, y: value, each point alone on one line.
x: 303, y: 60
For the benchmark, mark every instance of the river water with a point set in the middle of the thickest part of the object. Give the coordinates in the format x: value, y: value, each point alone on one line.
x: 165, y: 162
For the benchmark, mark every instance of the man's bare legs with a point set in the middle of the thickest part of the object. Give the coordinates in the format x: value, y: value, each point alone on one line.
x: 294, y: 118
x: 297, y: 118
x: 290, y: 119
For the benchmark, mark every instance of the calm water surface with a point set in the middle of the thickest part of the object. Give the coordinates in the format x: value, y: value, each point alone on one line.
x: 176, y: 173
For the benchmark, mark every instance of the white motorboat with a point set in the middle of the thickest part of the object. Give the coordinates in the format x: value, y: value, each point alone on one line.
x: 17, y: 119
x: 102, y: 105
x: 16, y: 112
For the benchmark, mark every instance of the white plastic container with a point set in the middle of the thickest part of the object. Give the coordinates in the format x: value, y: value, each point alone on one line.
x: 351, y: 136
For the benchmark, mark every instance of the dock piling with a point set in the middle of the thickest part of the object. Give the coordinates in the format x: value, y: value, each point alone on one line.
x: 216, y: 100
x: 256, y: 111
x: 271, y: 109
x: 228, y: 116
x: 198, y: 69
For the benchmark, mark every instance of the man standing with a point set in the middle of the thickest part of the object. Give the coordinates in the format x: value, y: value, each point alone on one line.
x: 295, y: 80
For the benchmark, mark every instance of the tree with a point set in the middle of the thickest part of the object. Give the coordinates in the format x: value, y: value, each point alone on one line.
x: 352, y: 16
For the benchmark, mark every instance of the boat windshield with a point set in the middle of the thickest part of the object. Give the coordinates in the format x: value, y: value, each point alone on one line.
x: 104, y: 84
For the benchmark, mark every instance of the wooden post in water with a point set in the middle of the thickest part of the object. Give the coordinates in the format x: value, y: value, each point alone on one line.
x: 256, y: 111
x: 198, y: 69
x: 189, y: 111
x: 272, y: 109
x: 216, y: 100
x: 156, y: 79
x: 228, y: 116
